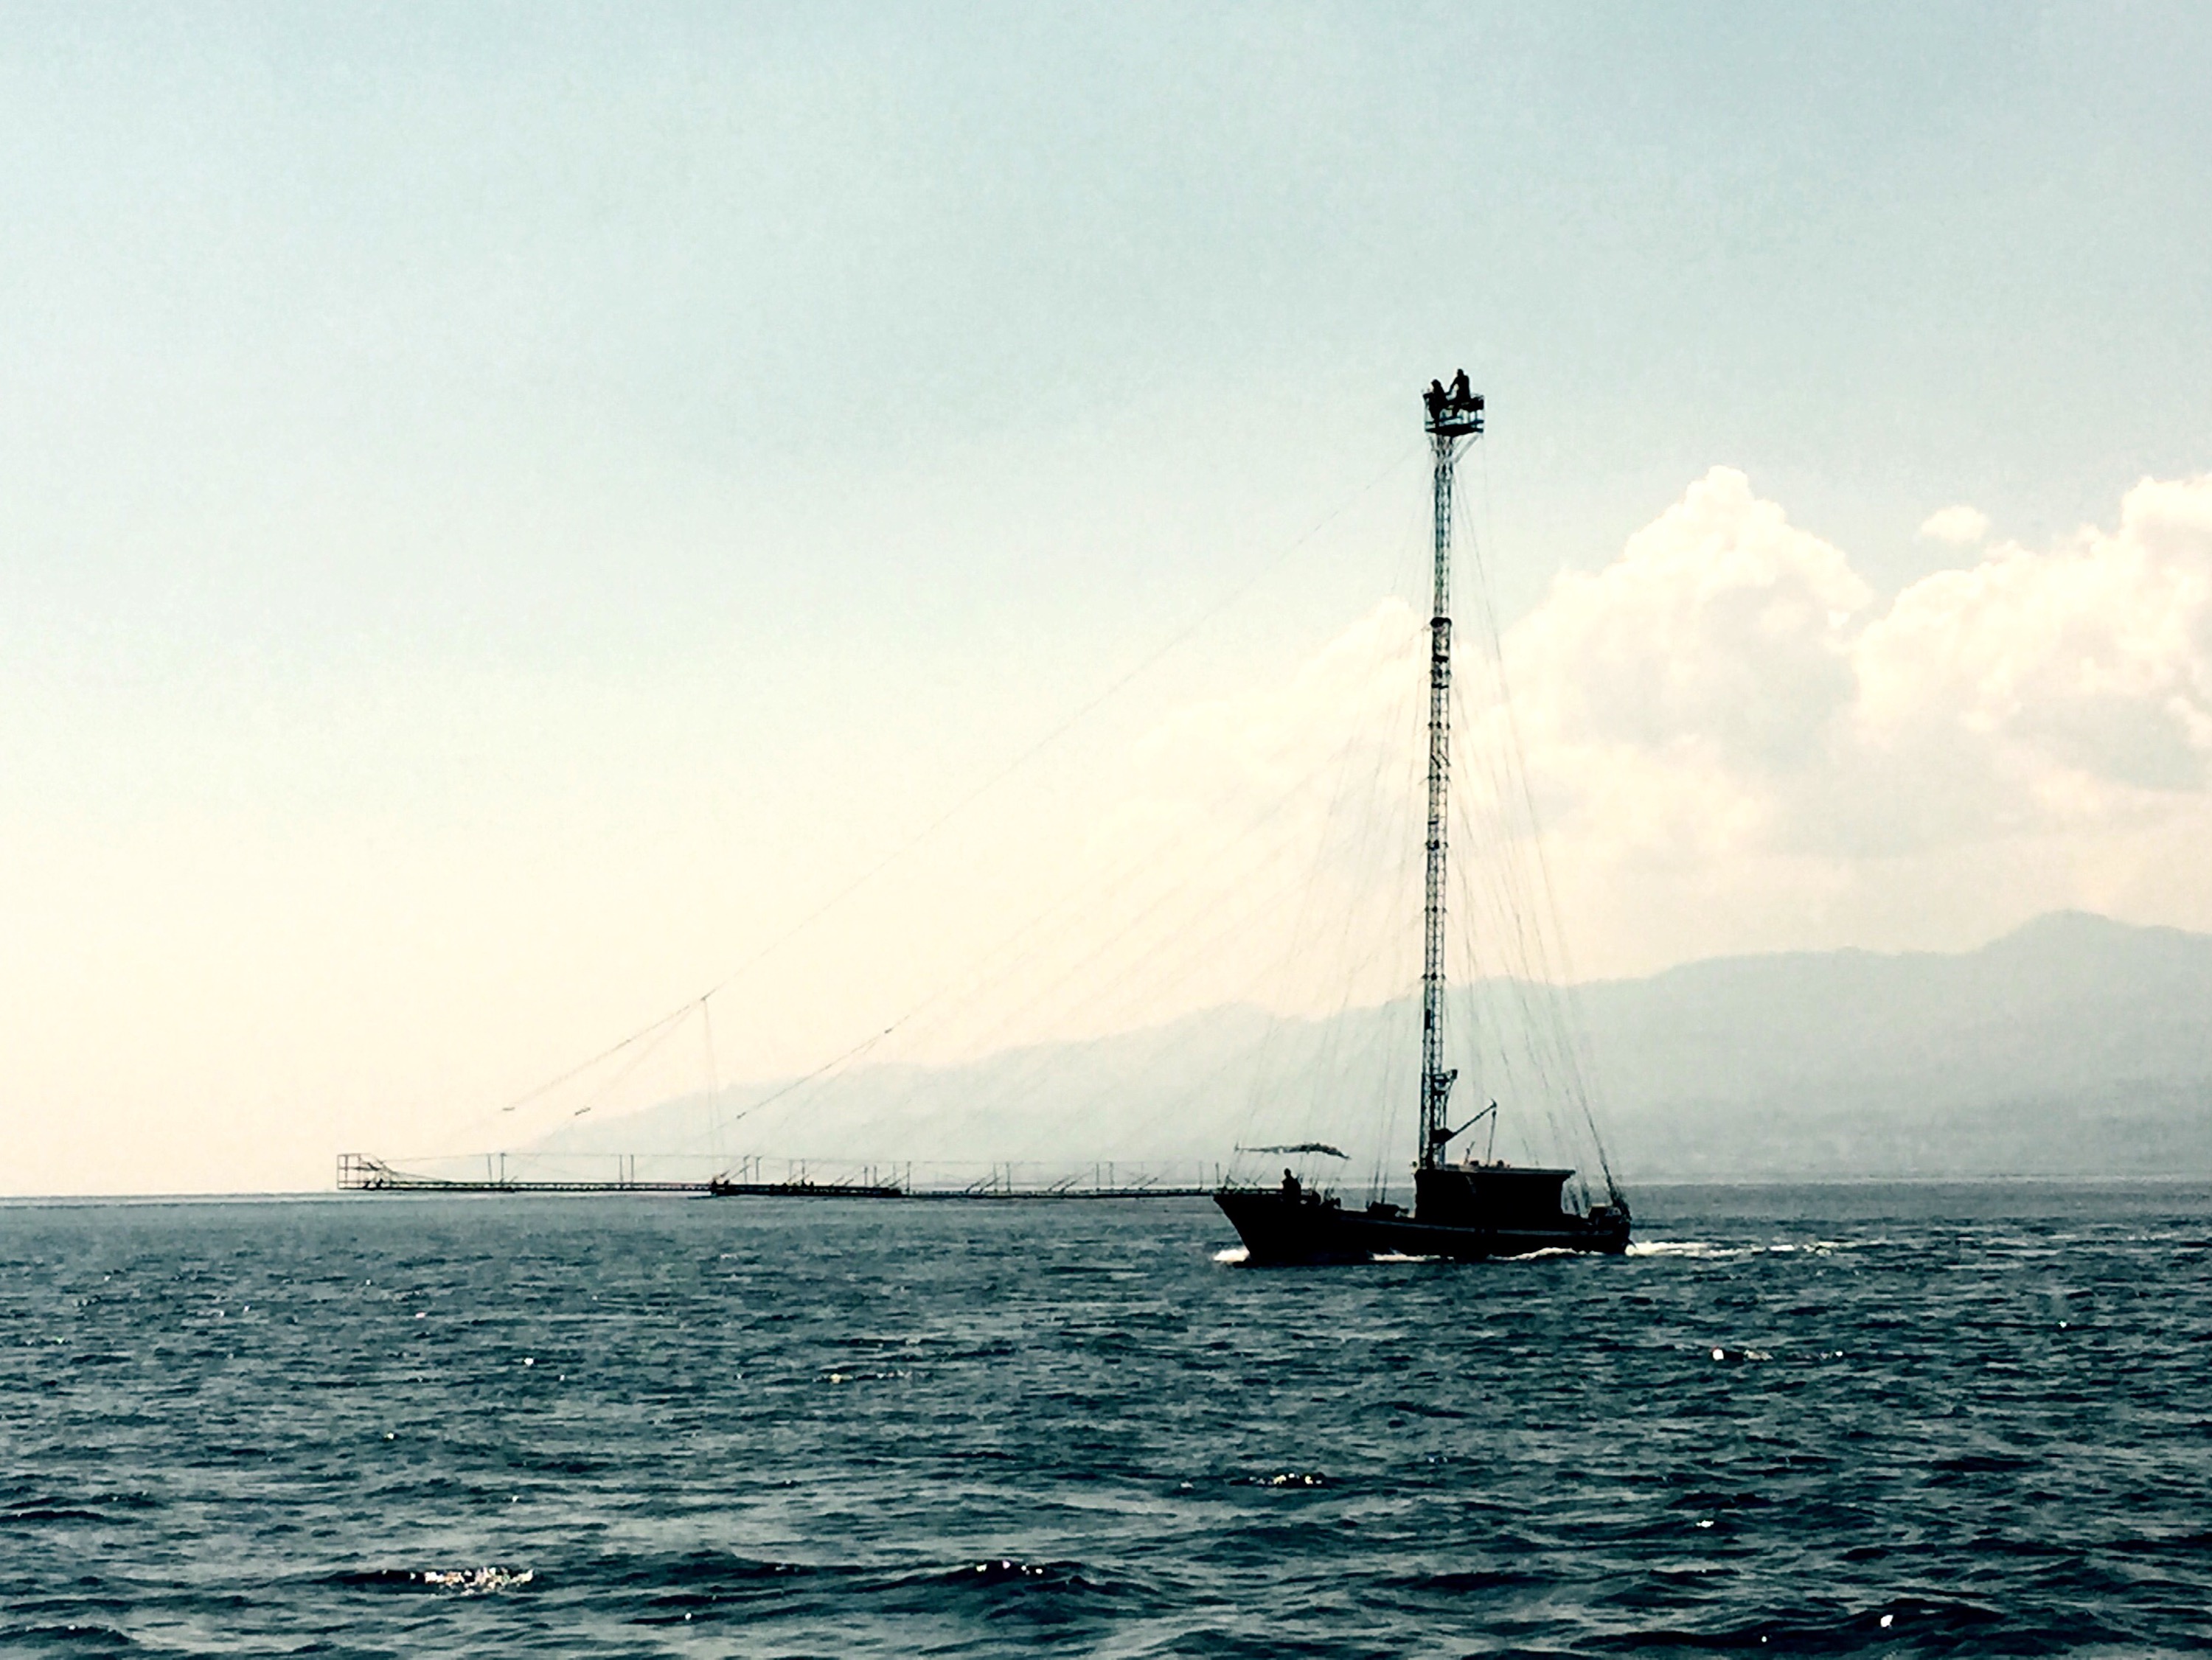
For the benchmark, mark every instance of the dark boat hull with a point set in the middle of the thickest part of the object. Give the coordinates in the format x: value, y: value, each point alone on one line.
x: 1284, y: 1227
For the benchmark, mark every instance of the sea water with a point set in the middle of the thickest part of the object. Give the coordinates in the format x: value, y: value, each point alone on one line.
x: 1884, y: 1421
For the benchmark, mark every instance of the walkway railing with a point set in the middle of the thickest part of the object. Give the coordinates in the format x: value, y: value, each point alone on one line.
x: 757, y: 1175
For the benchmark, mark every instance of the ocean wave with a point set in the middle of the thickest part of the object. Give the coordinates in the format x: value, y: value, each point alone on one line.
x: 68, y: 1636
x: 466, y: 1582
x: 1712, y: 1250
x: 1012, y: 1571
x: 701, y: 1579
x: 1325, y: 1462
x: 1703, y: 1250
x: 1923, y: 1626
x: 1428, y: 1409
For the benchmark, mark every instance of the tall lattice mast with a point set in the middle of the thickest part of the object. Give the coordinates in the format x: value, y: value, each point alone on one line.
x: 1455, y: 415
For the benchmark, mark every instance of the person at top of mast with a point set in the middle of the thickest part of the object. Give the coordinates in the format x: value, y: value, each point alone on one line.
x: 1434, y: 398
x: 1462, y: 395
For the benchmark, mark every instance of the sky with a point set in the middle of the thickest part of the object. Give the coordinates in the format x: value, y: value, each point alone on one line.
x: 508, y: 513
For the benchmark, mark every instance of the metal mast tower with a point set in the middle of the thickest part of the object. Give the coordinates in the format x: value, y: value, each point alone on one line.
x: 1455, y: 415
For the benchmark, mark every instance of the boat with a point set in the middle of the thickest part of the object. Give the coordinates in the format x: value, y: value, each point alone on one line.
x: 1471, y: 1209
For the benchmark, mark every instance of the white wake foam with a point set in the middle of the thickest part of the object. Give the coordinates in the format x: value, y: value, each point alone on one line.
x: 476, y: 1582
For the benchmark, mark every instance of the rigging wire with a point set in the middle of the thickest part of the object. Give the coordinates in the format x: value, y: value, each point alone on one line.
x: 1139, y: 933
x: 1019, y: 761
x: 1019, y: 953
x: 1321, y: 1069
x: 713, y: 1075
x: 1546, y: 929
x: 1256, y: 900
x: 608, y: 1053
x: 1521, y: 913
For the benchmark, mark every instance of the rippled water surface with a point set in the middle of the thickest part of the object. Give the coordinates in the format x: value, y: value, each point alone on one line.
x: 1881, y: 1420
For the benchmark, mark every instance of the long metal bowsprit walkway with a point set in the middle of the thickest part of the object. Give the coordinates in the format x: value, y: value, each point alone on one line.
x: 760, y: 1176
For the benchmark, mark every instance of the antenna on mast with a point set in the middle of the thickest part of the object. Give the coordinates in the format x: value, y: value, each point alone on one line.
x: 1455, y: 415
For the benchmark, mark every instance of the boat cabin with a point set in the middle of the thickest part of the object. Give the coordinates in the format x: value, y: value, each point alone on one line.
x: 1488, y: 1196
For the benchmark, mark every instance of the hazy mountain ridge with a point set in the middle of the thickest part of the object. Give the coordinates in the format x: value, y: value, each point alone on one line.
x: 2074, y: 1046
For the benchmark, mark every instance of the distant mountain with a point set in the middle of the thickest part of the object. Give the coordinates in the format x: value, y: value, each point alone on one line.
x: 2076, y: 1046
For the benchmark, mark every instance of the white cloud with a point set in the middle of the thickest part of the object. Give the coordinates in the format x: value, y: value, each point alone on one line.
x: 1735, y: 744
x: 1716, y: 647
x: 1960, y: 525
x: 1724, y: 712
